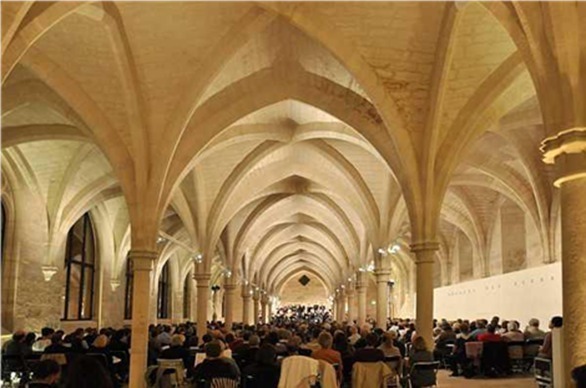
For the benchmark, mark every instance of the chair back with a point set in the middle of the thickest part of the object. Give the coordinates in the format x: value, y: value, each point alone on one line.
x: 515, y: 349
x: 173, y: 369
x: 473, y: 349
x: 59, y: 358
x: 543, y: 371
x: 531, y: 347
x: 370, y: 374
x: 424, y: 373
x: 101, y: 358
x: 223, y: 383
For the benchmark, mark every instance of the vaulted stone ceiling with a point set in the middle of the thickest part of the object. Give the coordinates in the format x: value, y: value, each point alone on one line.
x: 271, y: 141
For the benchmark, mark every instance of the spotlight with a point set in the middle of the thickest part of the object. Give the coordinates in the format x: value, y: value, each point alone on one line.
x: 161, y: 239
x: 198, y: 258
x: 394, y: 248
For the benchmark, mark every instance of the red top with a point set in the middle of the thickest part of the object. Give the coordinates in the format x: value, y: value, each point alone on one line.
x: 489, y: 337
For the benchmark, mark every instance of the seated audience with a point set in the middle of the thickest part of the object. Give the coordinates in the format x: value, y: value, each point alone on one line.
x: 87, y: 372
x: 490, y: 335
x: 513, y: 333
x: 215, y: 365
x: 57, y: 344
x: 533, y: 331
x: 44, y: 340
x: 326, y: 353
x: 420, y: 353
x: 388, y: 345
x: 177, y: 352
x: 546, y: 350
x: 264, y: 371
x: 46, y: 374
x: 369, y: 353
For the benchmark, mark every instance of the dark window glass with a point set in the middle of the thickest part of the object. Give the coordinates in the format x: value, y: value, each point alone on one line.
x: 163, y: 294
x: 79, y: 271
x: 128, y: 290
x: 187, y: 297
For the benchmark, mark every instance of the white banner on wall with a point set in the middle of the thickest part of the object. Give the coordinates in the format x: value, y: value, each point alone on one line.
x: 520, y: 295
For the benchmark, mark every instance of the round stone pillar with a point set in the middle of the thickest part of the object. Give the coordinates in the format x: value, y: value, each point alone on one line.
x: 246, y: 297
x: 142, y: 264
x: 424, y: 254
x: 382, y: 295
x: 229, y: 295
x: 256, y: 305
x: 264, y: 300
x: 351, y: 295
x: 203, y: 296
x: 361, y: 291
x: 567, y: 151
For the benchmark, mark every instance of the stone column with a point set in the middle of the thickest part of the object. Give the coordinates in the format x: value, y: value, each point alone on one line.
x: 246, y: 304
x: 203, y: 296
x: 424, y: 254
x: 390, y: 301
x: 264, y: 300
x: 361, y: 291
x: 350, y: 293
x: 256, y: 305
x: 229, y: 295
x: 142, y: 262
x: 270, y: 310
x: 567, y: 151
x: 382, y: 279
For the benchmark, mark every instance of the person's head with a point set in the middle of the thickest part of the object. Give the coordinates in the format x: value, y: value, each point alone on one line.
x: 30, y: 338
x: 325, y: 340
x: 481, y: 324
x: 213, y: 349
x: 207, y: 338
x: 512, y: 326
x: 266, y: 355
x: 47, y: 371
x: 419, y: 344
x: 353, y: 330
x: 101, y: 341
x: 19, y: 336
x: 534, y: 322
x: 56, y: 338
x: 491, y: 329
x: 47, y: 332
x: 464, y: 328
x: 389, y: 338
x: 87, y: 372
x: 371, y: 340
x: 254, y: 340
x: 556, y: 322
x: 177, y: 340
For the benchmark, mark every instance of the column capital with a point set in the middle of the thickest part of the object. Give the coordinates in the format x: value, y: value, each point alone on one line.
x: 382, y: 273
x: 202, y: 279
x: 246, y: 291
x: 229, y: 287
x: 567, y: 150
x: 264, y: 299
x: 421, y: 246
x: 143, y: 260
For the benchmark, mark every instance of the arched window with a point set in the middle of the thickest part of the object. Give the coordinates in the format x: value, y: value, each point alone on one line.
x: 128, y: 290
x: 187, y: 297
x: 80, y: 266
x: 163, y: 294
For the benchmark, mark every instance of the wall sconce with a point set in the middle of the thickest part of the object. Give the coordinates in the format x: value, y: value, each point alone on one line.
x: 114, y: 284
x: 49, y: 271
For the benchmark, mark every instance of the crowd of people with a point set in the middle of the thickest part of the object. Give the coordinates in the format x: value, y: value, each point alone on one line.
x: 254, y: 353
x: 288, y: 314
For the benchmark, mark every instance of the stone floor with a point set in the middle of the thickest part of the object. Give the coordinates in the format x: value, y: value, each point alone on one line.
x: 445, y: 381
